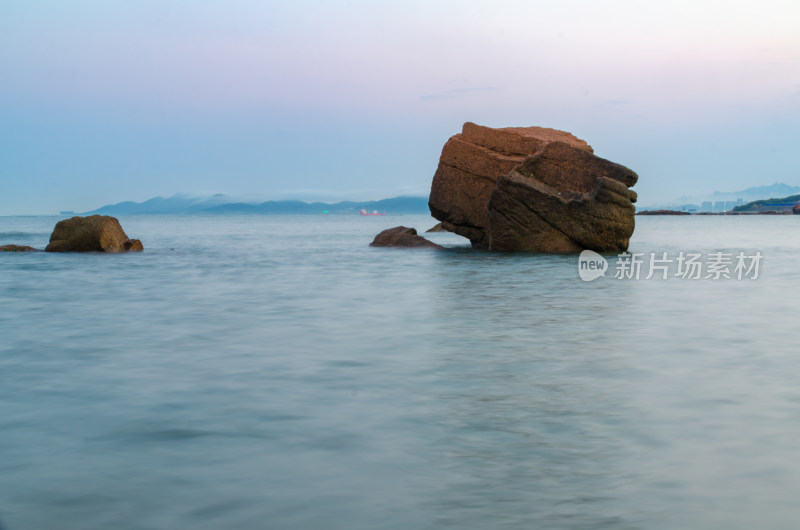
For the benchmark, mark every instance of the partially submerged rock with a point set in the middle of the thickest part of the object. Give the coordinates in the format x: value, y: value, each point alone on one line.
x: 18, y: 248
x: 96, y: 233
x: 796, y: 209
x: 532, y: 189
x: 401, y: 236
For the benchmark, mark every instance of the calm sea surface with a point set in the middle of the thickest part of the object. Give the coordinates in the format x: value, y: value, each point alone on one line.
x: 275, y: 372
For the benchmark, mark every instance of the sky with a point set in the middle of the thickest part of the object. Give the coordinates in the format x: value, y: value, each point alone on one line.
x: 103, y: 101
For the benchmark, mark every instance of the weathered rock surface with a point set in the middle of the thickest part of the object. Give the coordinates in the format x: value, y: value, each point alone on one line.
x: 18, y: 248
x: 532, y: 189
x: 437, y: 228
x: 469, y: 167
x: 95, y: 233
x: 401, y: 236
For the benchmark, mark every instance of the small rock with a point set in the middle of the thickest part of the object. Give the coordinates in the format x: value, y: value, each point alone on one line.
x: 96, y: 233
x: 17, y: 248
x: 401, y: 236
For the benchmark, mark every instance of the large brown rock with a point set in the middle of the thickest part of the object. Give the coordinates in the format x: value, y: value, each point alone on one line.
x: 469, y: 167
x: 401, y: 236
x: 532, y: 189
x: 96, y: 233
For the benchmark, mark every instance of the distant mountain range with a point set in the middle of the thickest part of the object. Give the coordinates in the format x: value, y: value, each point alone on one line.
x: 725, y: 198
x: 779, y: 189
x: 220, y: 204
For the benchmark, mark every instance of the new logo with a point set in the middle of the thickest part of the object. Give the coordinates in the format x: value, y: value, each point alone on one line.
x: 591, y: 265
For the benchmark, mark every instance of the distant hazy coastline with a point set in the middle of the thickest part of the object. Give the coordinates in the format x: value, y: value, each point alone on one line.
x: 755, y: 200
x: 220, y: 205
x: 725, y: 201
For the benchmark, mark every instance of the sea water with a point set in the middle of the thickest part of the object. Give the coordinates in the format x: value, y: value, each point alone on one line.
x: 254, y: 372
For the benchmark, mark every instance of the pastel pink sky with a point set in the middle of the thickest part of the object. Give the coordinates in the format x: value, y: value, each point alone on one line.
x: 104, y: 101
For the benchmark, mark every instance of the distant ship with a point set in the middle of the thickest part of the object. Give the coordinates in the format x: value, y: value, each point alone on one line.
x: 374, y: 212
